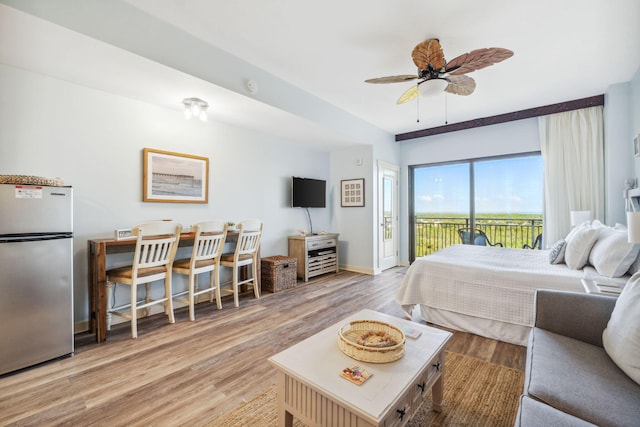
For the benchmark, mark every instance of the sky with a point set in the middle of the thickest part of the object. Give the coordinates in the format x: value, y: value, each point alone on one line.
x: 507, y: 185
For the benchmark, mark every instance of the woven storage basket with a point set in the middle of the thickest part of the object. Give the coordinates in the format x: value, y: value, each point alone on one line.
x: 30, y: 180
x: 348, y: 341
x: 278, y: 272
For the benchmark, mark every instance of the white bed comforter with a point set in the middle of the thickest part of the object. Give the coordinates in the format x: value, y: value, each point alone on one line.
x: 488, y: 282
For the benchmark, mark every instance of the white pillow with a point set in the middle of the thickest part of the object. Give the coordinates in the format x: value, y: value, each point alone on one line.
x: 577, y: 253
x: 621, y: 338
x: 635, y: 266
x: 612, y: 255
x: 556, y: 255
x: 573, y: 231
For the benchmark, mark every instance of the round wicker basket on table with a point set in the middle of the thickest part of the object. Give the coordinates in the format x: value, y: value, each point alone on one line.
x: 351, y: 333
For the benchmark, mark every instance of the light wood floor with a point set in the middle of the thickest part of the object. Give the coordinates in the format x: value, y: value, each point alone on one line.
x: 189, y: 373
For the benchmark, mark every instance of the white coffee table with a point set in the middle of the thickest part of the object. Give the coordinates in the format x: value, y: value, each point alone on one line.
x: 311, y: 389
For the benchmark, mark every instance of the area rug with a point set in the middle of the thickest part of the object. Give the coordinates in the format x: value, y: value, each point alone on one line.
x: 476, y: 393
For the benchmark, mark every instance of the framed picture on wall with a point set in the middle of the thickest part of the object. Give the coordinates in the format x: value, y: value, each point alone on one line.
x: 636, y: 146
x: 174, y: 177
x: 352, y: 193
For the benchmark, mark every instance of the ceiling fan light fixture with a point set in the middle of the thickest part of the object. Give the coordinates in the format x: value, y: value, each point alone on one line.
x: 437, y: 74
x: 432, y: 87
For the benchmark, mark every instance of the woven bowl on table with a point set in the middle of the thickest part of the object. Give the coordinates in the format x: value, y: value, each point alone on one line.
x: 350, y: 333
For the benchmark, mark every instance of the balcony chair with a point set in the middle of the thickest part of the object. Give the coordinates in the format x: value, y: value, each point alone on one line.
x: 156, y: 246
x: 479, y: 238
x: 245, y: 254
x: 537, y: 243
x: 205, y: 257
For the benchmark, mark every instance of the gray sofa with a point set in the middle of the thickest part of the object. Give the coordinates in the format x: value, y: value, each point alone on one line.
x: 570, y: 380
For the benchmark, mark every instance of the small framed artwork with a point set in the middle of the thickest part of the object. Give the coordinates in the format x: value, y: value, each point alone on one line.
x: 352, y: 193
x: 636, y: 146
x: 174, y: 177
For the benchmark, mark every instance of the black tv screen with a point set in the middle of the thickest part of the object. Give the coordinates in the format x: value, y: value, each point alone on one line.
x: 308, y: 193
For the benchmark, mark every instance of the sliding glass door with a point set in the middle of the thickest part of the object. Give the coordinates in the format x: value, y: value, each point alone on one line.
x: 492, y: 201
x: 440, y: 205
x: 509, y: 201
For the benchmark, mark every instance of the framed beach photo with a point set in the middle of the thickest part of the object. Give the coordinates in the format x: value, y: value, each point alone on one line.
x: 174, y: 177
x: 352, y: 192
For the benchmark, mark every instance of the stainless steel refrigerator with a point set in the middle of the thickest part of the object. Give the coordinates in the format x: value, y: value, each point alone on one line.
x: 36, y: 274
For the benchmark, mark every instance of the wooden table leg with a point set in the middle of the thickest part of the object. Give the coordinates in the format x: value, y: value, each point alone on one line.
x: 285, y: 418
x: 92, y: 287
x: 437, y: 393
x: 100, y: 292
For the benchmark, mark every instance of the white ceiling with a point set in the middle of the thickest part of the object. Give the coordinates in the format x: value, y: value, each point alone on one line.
x: 564, y: 50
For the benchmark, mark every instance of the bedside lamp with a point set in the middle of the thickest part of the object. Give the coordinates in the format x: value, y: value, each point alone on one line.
x: 633, y: 227
x: 578, y: 217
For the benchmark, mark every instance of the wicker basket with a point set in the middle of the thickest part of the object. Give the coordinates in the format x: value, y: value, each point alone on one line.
x: 348, y: 341
x: 30, y: 180
x: 278, y: 272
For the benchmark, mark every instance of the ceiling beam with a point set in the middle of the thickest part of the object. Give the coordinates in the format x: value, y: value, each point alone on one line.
x: 508, y: 117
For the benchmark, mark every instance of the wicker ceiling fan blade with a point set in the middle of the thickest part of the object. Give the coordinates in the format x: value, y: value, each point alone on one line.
x: 409, y: 94
x: 428, y: 55
x: 477, y: 59
x: 393, y: 79
x: 460, y: 85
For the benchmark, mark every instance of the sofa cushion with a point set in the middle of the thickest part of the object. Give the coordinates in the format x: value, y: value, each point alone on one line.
x: 566, y: 313
x: 621, y: 338
x: 534, y: 413
x: 580, y: 379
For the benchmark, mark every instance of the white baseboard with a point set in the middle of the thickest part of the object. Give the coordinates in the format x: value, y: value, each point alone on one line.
x: 368, y: 271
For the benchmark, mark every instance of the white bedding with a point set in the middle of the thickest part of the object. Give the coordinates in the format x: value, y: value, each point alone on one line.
x: 484, y: 282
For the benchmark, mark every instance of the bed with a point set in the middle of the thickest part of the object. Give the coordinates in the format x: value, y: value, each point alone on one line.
x: 488, y: 291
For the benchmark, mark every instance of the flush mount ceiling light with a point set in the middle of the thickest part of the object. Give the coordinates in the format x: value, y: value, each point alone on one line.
x: 195, y: 107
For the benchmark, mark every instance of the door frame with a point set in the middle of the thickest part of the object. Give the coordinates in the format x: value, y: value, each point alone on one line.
x: 386, y: 169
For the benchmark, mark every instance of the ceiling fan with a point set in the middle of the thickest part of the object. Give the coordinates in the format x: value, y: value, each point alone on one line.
x: 431, y: 64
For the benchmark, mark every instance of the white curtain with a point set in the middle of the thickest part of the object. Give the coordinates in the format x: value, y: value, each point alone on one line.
x: 572, y: 145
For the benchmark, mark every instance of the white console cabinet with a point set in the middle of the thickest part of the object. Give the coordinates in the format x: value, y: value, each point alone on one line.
x: 316, y: 254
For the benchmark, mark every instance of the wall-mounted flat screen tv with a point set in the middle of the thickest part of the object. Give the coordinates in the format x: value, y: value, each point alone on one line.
x: 308, y: 193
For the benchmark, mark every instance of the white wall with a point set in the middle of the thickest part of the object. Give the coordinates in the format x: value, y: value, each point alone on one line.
x: 93, y: 141
x: 356, y: 224
x: 618, y: 150
x: 635, y: 115
x: 622, y: 124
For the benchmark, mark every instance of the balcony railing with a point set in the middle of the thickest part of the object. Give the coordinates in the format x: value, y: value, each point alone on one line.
x: 433, y: 234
